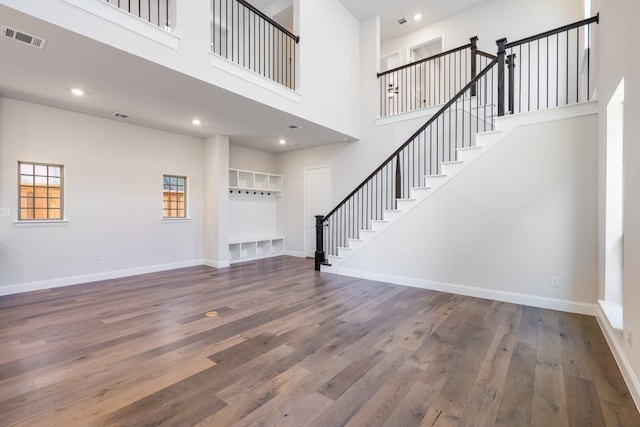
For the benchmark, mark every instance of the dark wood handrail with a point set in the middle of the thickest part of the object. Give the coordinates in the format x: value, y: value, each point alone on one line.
x: 466, y: 46
x: 415, y: 135
x: 486, y: 55
x: 269, y: 20
x: 558, y: 30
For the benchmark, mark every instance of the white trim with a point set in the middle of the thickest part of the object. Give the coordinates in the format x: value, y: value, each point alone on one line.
x: 472, y: 291
x: 40, y: 223
x: 122, y: 18
x: 230, y: 67
x: 409, y: 115
x: 87, y: 278
x: 216, y: 264
x: 613, y: 314
x: 296, y: 254
x: 615, y: 344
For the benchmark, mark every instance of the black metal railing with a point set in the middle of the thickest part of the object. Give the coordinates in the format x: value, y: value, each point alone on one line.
x: 429, y: 81
x: 547, y: 70
x: 156, y: 12
x: 248, y: 37
x: 454, y: 126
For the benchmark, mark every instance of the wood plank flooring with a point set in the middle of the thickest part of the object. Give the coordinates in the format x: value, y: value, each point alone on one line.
x: 293, y: 347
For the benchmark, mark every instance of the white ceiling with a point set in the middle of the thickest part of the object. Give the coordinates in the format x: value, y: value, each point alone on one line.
x: 391, y: 10
x: 154, y: 96
x: 161, y: 98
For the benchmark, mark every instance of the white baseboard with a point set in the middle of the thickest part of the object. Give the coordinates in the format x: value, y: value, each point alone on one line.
x: 614, y: 339
x: 295, y: 254
x: 492, y: 294
x: 216, y: 264
x: 94, y: 277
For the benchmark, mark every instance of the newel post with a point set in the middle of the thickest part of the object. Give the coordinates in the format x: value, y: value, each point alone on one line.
x: 511, y: 67
x: 398, y: 179
x: 501, y: 59
x: 319, y: 241
x: 474, y: 70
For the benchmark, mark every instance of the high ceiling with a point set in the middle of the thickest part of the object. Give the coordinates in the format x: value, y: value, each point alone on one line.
x: 117, y: 82
x: 391, y: 11
x: 154, y: 96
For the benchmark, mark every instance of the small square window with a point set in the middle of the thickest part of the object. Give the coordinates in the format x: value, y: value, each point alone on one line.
x: 40, y: 191
x: 174, y: 196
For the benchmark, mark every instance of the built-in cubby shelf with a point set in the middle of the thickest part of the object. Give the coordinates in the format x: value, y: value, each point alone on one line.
x: 251, y: 181
x: 255, y: 249
x: 253, y: 215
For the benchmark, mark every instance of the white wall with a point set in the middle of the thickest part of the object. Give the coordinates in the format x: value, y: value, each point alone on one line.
x: 113, y: 197
x: 617, y: 24
x: 522, y: 213
x: 490, y: 21
x: 253, y: 160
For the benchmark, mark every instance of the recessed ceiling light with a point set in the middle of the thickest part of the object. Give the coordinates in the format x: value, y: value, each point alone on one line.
x: 417, y: 17
x: 196, y: 122
x: 282, y: 141
x: 77, y: 91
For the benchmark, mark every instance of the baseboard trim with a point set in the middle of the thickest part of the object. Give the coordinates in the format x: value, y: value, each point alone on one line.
x: 295, y: 254
x: 492, y: 294
x: 216, y: 264
x: 615, y: 344
x: 94, y: 277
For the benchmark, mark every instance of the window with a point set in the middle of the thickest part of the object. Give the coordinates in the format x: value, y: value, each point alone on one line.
x: 40, y: 191
x: 174, y: 196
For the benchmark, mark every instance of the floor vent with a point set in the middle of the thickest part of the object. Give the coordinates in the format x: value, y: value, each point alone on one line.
x: 34, y: 41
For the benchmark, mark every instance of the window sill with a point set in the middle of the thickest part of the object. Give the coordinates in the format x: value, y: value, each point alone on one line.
x: 170, y: 220
x: 613, y: 313
x: 41, y: 223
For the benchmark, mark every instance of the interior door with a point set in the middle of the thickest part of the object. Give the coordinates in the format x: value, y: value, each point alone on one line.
x: 317, y: 201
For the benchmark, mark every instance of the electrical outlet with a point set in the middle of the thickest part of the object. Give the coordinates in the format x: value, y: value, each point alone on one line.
x: 5, y: 212
x: 100, y: 260
x: 555, y: 282
x: 629, y: 335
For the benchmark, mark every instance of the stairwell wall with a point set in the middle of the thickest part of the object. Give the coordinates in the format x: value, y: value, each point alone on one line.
x: 522, y: 213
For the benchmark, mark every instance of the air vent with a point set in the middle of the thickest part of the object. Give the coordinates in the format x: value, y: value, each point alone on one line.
x: 122, y: 116
x: 402, y: 21
x: 293, y: 127
x: 14, y: 34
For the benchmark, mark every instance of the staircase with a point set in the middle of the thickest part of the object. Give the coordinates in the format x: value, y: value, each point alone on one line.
x: 459, y: 134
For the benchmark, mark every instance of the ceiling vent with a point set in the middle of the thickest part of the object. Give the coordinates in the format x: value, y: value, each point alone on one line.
x: 34, y: 41
x: 122, y: 116
x: 402, y: 21
x: 293, y: 127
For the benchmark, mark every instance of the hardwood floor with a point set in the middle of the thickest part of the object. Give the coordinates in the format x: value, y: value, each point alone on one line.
x: 292, y: 347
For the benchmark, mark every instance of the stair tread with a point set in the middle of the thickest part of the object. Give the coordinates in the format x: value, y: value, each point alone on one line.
x: 453, y: 162
x: 475, y: 147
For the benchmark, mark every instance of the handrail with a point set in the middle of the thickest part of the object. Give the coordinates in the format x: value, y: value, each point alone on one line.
x: 558, y: 30
x: 436, y: 56
x: 269, y: 20
x: 485, y: 54
x: 441, y: 111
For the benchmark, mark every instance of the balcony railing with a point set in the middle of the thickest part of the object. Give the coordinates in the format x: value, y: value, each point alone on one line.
x: 156, y: 12
x: 248, y: 37
x: 430, y: 81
